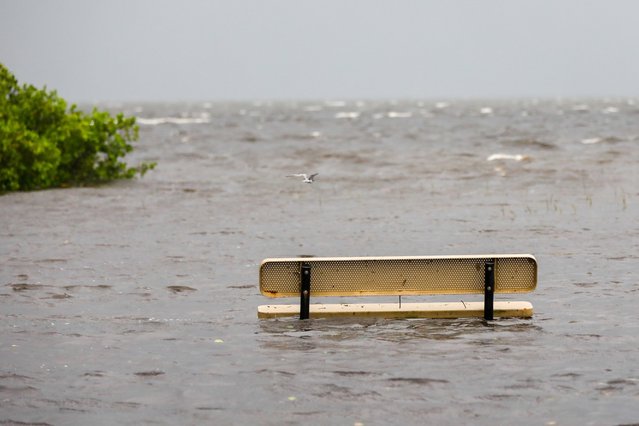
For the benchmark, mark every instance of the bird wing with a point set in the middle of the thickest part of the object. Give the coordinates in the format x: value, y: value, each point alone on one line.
x: 313, y: 175
x: 297, y: 175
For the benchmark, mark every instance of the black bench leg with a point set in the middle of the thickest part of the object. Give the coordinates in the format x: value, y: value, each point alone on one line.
x: 305, y: 290
x: 489, y: 288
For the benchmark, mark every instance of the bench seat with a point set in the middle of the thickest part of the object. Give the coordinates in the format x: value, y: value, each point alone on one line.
x: 504, y: 309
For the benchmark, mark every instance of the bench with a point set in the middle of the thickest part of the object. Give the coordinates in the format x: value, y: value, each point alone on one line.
x: 307, y: 277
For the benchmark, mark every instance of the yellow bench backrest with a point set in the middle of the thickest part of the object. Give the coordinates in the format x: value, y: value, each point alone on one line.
x: 378, y: 276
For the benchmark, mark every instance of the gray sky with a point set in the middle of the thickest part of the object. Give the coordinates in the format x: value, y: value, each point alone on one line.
x: 152, y: 50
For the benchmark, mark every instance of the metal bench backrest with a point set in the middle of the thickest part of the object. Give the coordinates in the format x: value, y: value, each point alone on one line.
x: 378, y: 276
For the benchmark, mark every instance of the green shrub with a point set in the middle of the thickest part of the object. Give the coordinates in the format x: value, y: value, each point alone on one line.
x: 43, y: 144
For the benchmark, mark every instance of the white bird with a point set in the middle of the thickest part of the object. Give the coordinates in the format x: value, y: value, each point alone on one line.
x: 307, y: 178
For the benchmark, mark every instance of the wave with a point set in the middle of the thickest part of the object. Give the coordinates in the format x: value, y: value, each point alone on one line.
x: 351, y: 115
x: 171, y: 120
x: 516, y: 157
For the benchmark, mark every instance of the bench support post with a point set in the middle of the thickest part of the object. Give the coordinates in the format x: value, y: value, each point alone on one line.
x: 489, y: 288
x: 305, y: 290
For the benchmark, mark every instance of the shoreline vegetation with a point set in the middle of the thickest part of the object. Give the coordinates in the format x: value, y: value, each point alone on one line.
x: 44, y: 144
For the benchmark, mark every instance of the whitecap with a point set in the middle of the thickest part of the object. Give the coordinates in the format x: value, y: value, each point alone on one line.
x: 396, y: 114
x: 580, y: 108
x: 344, y: 114
x: 591, y: 141
x: 442, y: 105
x: 312, y: 108
x: 486, y: 110
x: 171, y: 120
x: 610, y: 110
x: 500, y: 156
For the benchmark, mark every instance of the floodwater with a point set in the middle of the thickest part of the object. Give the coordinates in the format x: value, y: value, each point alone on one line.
x: 135, y: 302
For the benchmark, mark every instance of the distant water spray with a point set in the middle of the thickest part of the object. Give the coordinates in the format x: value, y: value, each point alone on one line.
x: 319, y: 195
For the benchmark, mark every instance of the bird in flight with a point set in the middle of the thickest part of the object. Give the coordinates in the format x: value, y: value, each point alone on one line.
x: 307, y: 178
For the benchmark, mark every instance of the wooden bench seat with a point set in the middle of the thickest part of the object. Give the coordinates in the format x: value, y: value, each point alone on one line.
x: 399, y: 276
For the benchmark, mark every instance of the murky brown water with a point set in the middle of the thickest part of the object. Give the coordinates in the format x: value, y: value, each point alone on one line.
x: 135, y: 303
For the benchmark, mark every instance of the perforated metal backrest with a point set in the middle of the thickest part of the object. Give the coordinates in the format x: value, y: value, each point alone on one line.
x: 376, y: 276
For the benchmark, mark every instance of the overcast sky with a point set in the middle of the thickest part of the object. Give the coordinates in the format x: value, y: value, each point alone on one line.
x: 153, y: 50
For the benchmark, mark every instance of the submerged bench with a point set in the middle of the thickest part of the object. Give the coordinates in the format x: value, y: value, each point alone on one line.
x: 399, y: 276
